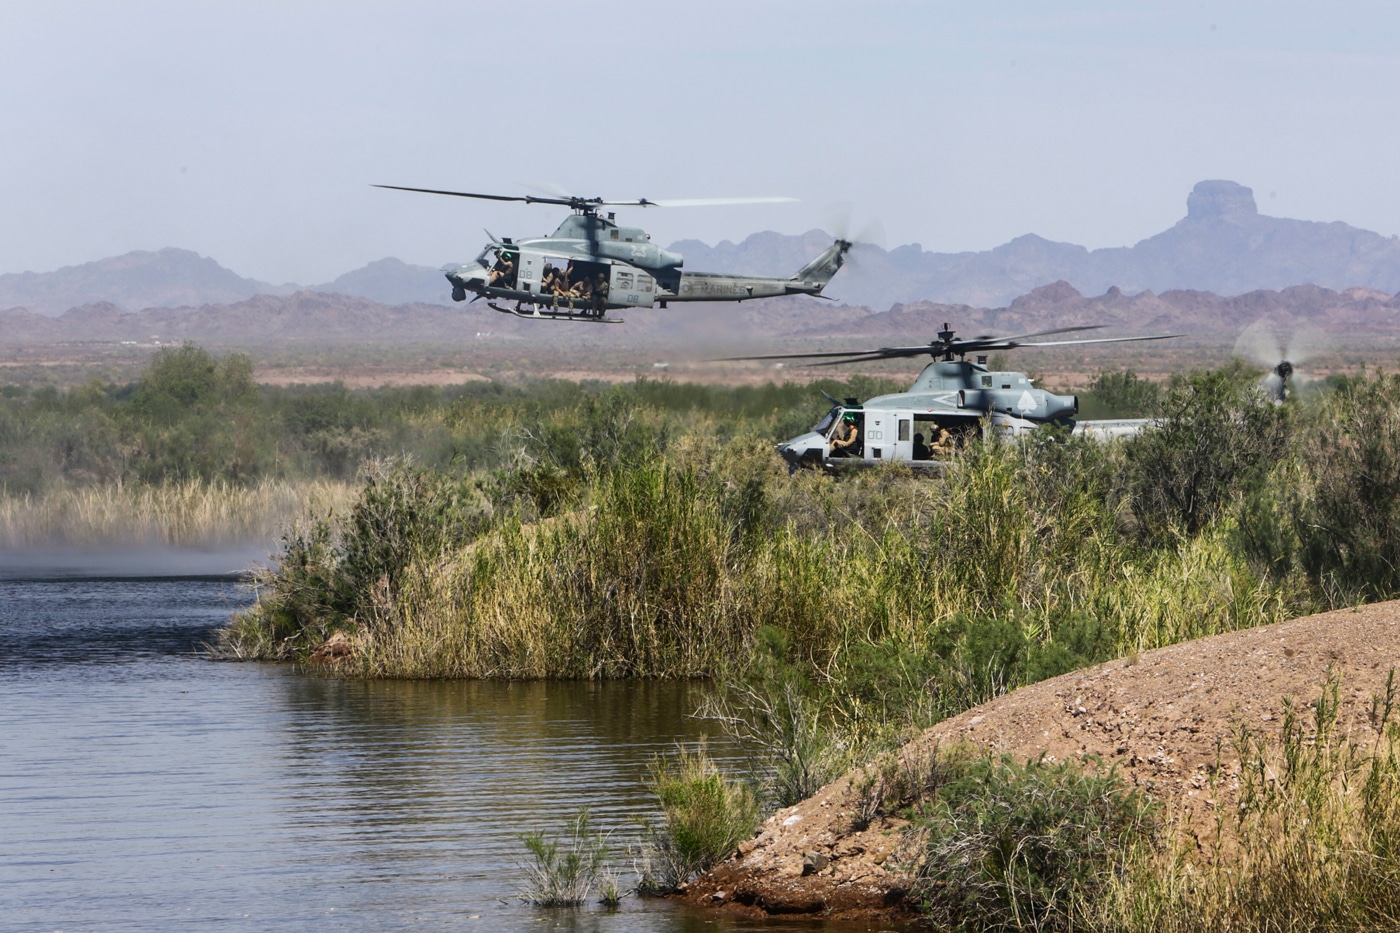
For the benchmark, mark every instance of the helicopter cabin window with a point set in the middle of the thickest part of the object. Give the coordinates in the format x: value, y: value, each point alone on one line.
x: 614, y: 234
x: 904, y: 429
x: 986, y: 382
x: 624, y: 281
x: 644, y: 282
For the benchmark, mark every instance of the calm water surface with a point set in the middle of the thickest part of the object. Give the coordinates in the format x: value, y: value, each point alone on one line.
x: 143, y: 787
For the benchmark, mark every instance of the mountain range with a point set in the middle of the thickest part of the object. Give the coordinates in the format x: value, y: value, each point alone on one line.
x: 1223, y: 245
x: 317, y: 319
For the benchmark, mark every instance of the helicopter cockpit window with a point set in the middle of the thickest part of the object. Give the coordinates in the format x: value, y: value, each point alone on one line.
x: 847, y: 437
x: 507, y: 266
x: 824, y: 425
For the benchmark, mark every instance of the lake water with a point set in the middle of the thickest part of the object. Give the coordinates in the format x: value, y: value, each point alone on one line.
x: 143, y: 787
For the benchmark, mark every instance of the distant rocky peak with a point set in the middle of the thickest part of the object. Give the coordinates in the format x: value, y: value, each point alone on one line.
x: 1227, y: 200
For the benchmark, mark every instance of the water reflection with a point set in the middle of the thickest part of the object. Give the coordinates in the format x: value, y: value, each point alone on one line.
x: 143, y: 787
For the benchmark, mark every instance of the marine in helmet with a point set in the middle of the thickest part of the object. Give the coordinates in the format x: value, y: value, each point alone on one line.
x: 844, y: 437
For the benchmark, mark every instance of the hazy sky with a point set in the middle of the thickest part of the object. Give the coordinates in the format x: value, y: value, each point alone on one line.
x: 251, y: 132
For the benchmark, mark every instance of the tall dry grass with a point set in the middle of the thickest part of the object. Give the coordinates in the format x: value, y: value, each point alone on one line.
x: 1313, y: 842
x: 183, y: 514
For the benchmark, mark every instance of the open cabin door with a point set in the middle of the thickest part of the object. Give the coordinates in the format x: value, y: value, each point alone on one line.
x: 631, y: 287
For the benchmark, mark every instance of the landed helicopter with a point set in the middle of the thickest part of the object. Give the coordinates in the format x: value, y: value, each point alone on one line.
x: 950, y: 402
x: 591, y: 265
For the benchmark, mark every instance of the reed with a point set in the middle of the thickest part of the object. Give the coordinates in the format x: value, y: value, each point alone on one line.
x: 191, y: 513
x: 670, y: 569
x: 1312, y: 842
x: 563, y: 870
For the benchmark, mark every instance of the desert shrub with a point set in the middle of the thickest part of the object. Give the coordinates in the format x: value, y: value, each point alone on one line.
x: 1346, y: 510
x: 1311, y: 844
x: 180, y: 378
x: 1121, y: 395
x: 1012, y: 846
x: 773, y: 710
x: 563, y: 870
x: 345, y: 574
x: 1218, y: 435
x: 705, y: 816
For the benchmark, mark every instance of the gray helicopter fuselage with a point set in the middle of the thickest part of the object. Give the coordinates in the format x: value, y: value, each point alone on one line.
x: 950, y: 402
x: 637, y: 272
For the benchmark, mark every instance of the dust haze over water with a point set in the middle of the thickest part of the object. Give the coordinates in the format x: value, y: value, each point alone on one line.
x: 252, y: 132
x: 139, y: 560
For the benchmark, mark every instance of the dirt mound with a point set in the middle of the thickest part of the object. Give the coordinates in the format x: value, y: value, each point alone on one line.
x: 1167, y: 717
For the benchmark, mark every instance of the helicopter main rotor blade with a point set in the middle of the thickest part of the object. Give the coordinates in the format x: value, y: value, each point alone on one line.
x: 702, y: 202
x: 1042, y: 333
x: 959, y: 347
x: 1061, y: 343
x: 528, y: 199
x: 582, y: 203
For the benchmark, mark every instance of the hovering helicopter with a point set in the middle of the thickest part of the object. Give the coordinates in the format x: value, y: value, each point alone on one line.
x: 949, y: 403
x: 591, y: 265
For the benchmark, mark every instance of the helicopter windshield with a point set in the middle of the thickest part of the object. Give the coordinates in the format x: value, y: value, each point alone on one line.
x: 822, y: 426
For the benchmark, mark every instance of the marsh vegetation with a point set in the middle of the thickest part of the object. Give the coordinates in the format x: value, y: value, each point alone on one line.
x: 557, y: 530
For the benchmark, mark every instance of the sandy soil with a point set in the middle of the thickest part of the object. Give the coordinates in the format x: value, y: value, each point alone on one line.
x: 368, y: 379
x: 1166, y: 717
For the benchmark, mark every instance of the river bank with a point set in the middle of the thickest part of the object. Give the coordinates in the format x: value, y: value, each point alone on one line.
x: 1167, y: 719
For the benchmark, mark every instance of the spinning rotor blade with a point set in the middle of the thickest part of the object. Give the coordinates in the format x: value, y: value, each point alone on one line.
x: 702, y: 202
x: 837, y: 219
x: 1261, y: 343
x: 528, y: 199
x: 947, y: 347
x: 586, y: 203
x: 1061, y: 343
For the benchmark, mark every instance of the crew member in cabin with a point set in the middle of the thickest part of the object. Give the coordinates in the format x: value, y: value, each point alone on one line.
x: 843, y: 439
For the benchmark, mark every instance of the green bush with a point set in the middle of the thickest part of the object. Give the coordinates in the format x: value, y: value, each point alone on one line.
x: 564, y: 870
x: 1121, y: 395
x: 1346, y: 513
x: 705, y: 816
x: 1026, y: 846
x: 1219, y: 435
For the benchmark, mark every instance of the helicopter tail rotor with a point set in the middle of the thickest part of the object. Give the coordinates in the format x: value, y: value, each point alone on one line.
x: 1261, y: 344
x: 862, y: 242
x: 814, y: 276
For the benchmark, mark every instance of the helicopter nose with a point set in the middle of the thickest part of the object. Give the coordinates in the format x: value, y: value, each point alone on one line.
x: 802, y: 451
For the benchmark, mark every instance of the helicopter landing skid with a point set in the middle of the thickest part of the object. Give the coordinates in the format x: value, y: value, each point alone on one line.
x: 546, y: 313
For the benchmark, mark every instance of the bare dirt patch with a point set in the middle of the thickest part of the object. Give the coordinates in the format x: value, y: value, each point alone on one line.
x: 368, y: 379
x: 1166, y: 717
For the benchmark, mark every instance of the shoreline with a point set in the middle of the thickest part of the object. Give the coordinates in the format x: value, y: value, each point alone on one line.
x: 1165, y: 719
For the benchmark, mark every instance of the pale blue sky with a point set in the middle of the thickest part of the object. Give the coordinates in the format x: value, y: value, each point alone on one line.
x: 250, y: 132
